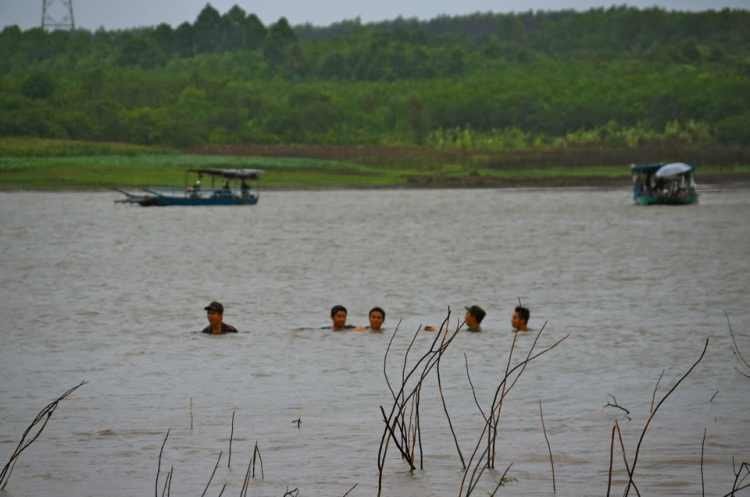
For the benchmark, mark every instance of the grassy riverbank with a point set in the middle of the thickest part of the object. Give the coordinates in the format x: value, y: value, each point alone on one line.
x: 35, y: 164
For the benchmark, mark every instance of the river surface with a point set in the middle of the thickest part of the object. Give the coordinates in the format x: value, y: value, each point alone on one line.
x: 114, y: 294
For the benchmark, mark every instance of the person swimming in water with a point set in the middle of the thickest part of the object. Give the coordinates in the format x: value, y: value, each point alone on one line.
x: 215, y: 315
x: 338, y: 319
x: 377, y: 318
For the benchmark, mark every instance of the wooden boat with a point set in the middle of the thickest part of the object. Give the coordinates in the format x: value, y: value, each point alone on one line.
x: 664, y: 183
x: 234, y: 190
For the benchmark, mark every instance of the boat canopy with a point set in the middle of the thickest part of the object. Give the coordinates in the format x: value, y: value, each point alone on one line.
x: 673, y: 169
x: 662, y: 169
x: 253, y: 174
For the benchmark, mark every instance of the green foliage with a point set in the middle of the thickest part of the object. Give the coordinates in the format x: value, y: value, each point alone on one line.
x: 35, y: 147
x: 619, y: 77
x: 38, y: 86
x: 142, y: 52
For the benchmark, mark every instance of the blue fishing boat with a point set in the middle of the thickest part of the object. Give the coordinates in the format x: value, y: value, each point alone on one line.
x: 664, y: 183
x: 227, y: 187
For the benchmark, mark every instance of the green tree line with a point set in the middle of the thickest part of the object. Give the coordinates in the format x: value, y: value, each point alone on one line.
x: 617, y: 77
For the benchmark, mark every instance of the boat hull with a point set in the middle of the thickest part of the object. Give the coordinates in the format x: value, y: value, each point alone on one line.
x: 666, y: 199
x: 188, y: 201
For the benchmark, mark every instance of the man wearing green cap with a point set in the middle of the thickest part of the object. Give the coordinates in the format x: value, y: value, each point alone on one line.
x: 474, y: 317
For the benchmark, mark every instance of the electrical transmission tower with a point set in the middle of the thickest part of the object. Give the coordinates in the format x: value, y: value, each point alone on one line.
x: 51, y: 14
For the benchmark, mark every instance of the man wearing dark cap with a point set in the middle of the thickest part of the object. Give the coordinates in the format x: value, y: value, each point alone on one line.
x: 215, y: 315
x: 474, y: 317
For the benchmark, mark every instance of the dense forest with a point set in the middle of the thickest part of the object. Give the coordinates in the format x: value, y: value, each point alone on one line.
x: 618, y: 77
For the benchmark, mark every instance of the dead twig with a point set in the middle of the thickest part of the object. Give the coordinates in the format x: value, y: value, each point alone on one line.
x: 171, y: 475
x: 158, y: 467
x: 502, y: 478
x: 653, y: 396
x: 212, y: 474
x: 648, y: 421
x: 495, y: 418
x: 355, y: 486
x: 44, y: 414
x: 736, y: 350
x: 445, y: 408
x: 473, y: 391
x: 243, y: 490
x: 737, y: 484
x: 477, y: 472
x: 616, y: 405
x: 549, y: 447
x: 611, y: 459
x: 256, y: 452
x: 406, y: 433
x: 298, y: 420
x: 703, y: 445
x: 231, y: 436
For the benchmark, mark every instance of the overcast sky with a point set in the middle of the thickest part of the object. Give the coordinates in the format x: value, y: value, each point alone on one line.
x: 123, y: 14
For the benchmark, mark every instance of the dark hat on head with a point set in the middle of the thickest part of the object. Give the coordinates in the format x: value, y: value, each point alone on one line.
x: 477, y: 312
x: 214, y: 306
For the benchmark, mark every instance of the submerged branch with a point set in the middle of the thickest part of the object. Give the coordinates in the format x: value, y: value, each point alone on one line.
x: 45, y: 414
x: 648, y: 421
x: 549, y: 447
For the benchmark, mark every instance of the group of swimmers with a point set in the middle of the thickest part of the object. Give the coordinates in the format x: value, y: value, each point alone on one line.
x: 376, y: 316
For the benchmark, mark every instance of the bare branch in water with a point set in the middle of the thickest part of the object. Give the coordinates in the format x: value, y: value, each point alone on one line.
x: 653, y: 396
x: 445, y: 408
x: 648, y: 421
x: 158, y: 467
x: 355, y: 486
x: 212, y: 474
x: 260, y: 458
x: 45, y: 414
x: 736, y: 349
x: 502, y: 478
x: 618, y: 406
x: 703, y: 445
x: 231, y: 436
x: 473, y: 391
x: 243, y: 490
x: 168, y: 483
x: 737, y: 485
x: 549, y: 447
x: 298, y: 420
x: 611, y: 459
x: 480, y: 464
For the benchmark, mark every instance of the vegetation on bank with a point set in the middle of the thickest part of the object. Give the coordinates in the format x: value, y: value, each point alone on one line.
x: 619, y: 78
x: 41, y: 164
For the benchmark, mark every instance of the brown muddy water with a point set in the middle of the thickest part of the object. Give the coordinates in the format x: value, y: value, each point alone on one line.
x: 114, y: 295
